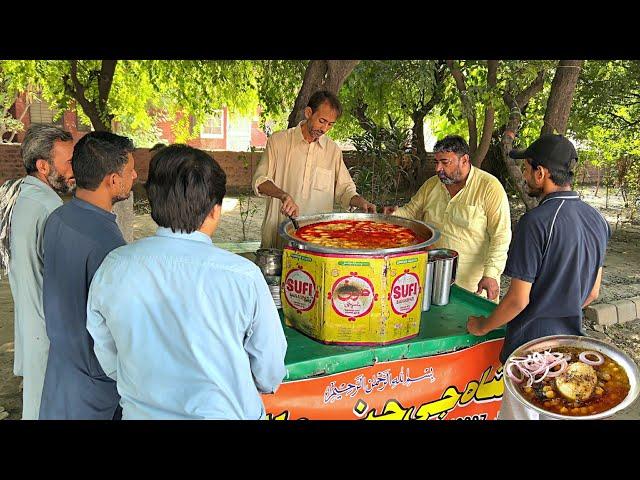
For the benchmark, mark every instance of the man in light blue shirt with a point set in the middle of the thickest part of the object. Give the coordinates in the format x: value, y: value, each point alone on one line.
x: 187, y: 330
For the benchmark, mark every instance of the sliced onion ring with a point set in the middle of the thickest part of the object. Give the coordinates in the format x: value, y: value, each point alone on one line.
x: 584, y: 359
x: 512, y: 375
x: 544, y: 375
x: 554, y: 373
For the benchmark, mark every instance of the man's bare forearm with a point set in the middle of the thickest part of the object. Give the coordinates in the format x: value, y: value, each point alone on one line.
x: 289, y: 206
x: 269, y: 188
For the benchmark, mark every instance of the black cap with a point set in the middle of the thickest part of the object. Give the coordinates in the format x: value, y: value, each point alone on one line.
x: 551, y: 151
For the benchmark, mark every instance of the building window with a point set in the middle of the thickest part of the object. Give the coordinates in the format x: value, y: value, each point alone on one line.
x: 239, y: 133
x: 213, y: 126
x: 40, y: 112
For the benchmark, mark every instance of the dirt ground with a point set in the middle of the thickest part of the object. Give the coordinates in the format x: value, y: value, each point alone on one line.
x: 621, y: 280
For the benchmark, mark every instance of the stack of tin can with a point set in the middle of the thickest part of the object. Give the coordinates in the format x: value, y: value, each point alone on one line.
x: 273, y: 282
x: 269, y: 260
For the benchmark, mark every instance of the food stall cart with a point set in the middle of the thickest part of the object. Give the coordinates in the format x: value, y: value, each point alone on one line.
x: 443, y: 373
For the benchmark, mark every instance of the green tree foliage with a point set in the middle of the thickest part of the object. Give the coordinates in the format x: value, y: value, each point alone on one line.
x: 143, y: 92
x: 605, y: 118
x: 390, y: 89
x: 513, y: 76
x: 279, y: 82
x: 192, y: 89
x: 382, y: 159
x: 8, y: 96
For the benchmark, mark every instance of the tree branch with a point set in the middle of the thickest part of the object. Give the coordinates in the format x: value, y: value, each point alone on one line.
x: 320, y: 74
x: 511, y: 130
x: 628, y: 122
x: 467, y: 107
x: 360, y: 113
x: 24, y: 112
x: 105, y: 80
x: 77, y: 92
x: 533, y: 89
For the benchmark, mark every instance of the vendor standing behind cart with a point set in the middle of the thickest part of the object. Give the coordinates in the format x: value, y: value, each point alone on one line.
x: 555, y: 260
x: 188, y: 330
x: 470, y: 209
x: 303, y: 169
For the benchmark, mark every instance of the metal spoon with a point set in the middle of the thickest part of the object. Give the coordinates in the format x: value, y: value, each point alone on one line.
x: 296, y: 225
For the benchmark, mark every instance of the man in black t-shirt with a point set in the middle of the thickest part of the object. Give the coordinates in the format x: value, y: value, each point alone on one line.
x: 555, y: 258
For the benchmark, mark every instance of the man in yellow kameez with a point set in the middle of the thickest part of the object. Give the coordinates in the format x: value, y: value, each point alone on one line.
x: 470, y: 209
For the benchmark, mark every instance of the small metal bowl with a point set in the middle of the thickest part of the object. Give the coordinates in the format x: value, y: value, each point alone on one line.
x: 551, y: 342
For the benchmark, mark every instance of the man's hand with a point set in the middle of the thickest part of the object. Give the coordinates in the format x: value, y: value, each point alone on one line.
x: 362, y: 204
x: 289, y: 207
x: 476, y: 325
x: 389, y: 210
x: 490, y: 285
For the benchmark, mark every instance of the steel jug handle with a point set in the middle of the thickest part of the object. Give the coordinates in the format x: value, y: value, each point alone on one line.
x: 454, y: 270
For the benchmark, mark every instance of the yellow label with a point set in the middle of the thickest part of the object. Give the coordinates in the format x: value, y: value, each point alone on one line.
x: 351, y: 300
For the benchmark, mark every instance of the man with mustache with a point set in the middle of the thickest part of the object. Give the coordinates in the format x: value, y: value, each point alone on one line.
x: 25, y: 206
x: 470, y: 209
x: 75, y: 387
x: 303, y: 169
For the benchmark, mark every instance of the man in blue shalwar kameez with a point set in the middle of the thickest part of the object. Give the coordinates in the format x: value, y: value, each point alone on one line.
x: 77, y: 237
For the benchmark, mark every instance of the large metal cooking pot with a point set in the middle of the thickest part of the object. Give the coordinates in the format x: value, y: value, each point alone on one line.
x: 286, y: 231
x: 551, y: 342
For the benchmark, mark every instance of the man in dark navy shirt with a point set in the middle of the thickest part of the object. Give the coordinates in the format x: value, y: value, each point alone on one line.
x: 555, y: 258
x: 77, y: 237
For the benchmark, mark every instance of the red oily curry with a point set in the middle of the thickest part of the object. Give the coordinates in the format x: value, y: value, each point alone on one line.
x: 358, y: 234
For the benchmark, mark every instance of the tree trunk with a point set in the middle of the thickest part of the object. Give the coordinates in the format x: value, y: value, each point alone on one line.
x: 560, y: 99
x: 124, y: 217
x: 420, y: 168
x: 425, y: 169
x: 487, y: 129
x: 97, y: 112
x: 555, y: 118
x: 515, y: 105
x: 320, y: 75
x: 105, y: 80
x: 514, y: 169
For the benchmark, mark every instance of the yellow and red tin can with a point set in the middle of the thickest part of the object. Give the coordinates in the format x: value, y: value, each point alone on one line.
x: 354, y: 297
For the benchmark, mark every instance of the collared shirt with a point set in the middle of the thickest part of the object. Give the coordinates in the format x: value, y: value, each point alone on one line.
x: 188, y: 330
x: 558, y: 247
x: 314, y: 174
x: 35, y: 203
x: 77, y: 237
x: 476, y: 223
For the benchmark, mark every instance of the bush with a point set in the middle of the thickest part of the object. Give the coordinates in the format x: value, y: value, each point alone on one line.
x: 383, y: 158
